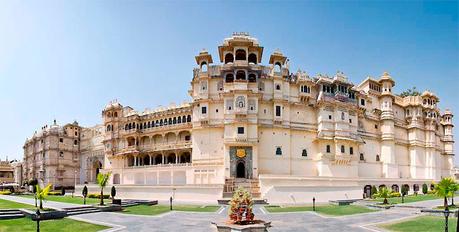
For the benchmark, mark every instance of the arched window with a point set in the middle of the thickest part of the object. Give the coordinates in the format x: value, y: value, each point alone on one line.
x: 149, y: 124
x: 229, y: 77
x: 240, y: 75
x: 116, y: 178
x: 278, y: 87
x: 184, y: 119
x: 179, y: 119
x: 252, y: 77
x: 377, y: 158
x: 304, y: 152
x: 343, y: 149
x: 130, y: 126
x: 278, y: 151
x: 342, y: 115
x: 229, y: 58
x: 203, y: 67
x: 362, y: 157
x: 161, y: 122
x: 252, y: 58
x: 109, y: 127
x: 188, y: 118
x: 126, y: 127
x: 277, y: 67
x: 170, y: 121
x: 174, y: 121
x: 115, y: 114
x: 240, y: 102
x: 328, y: 149
x: 240, y: 54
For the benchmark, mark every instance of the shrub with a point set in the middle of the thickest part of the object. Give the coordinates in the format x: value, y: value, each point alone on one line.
x: 395, y: 194
x: 97, y: 195
x: 374, y: 190
x: 55, y: 193
x: 424, y: 189
x: 404, y: 190
x: 5, y: 192
x: 430, y: 192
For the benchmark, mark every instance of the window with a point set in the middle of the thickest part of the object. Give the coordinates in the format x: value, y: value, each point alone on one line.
x: 278, y: 151
x: 75, y: 142
x: 328, y: 149
x: 362, y: 102
x: 61, y: 154
x: 187, y: 137
x: 76, y: 133
x: 252, y: 58
x: 350, y: 120
x: 240, y: 54
x: 278, y: 87
x: 278, y: 111
x: 351, y: 150
x: 342, y: 115
x: 377, y: 158
x: 304, y: 153
x: 204, y: 110
x: 229, y: 77
x: 362, y: 158
x: 343, y: 150
x: 329, y: 116
x: 229, y: 58
x: 376, y: 126
x: 240, y: 102
x: 240, y: 130
x: 61, y: 140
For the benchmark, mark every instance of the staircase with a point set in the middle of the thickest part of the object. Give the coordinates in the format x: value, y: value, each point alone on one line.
x: 10, y: 214
x: 251, y: 185
x: 81, y: 210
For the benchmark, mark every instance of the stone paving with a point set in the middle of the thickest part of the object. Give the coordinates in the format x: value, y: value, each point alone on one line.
x: 197, y: 222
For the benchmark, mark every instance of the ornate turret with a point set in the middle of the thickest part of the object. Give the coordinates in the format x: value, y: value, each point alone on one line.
x: 240, y: 48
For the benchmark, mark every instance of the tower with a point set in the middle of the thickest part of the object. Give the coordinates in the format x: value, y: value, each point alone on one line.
x: 390, y: 168
x: 447, y: 122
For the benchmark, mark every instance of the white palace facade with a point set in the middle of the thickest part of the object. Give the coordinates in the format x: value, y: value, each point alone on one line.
x: 286, y: 136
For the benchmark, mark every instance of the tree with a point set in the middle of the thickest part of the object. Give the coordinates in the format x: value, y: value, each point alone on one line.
x: 410, y: 92
x: 113, y: 192
x: 454, y: 188
x: 102, y: 181
x: 384, y: 192
x: 85, y: 194
x: 445, y: 189
x: 42, y: 193
x: 374, y: 191
x: 424, y: 189
x: 404, y: 190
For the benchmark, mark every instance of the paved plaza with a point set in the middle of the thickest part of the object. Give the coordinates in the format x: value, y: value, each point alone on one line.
x: 188, y: 221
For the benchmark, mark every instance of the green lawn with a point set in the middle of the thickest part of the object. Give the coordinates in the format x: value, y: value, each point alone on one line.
x: 409, y: 198
x: 422, y: 223
x: 5, y: 204
x: 333, y: 210
x: 69, y: 199
x: 159, y: 209
x: 64, y: 225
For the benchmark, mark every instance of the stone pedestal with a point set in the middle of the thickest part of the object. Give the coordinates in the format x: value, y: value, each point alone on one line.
x: 257, y: 226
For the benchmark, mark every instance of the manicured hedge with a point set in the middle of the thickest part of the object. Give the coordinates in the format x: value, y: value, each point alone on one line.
x: 97, y: 195
x: 5, y: 192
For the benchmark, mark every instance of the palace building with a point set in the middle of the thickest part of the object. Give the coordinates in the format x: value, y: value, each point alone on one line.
x: 288, y: 137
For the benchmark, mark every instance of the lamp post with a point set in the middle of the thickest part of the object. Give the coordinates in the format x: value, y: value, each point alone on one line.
x: 170, y: 200
x: 37, y: 218
x: 446, y: 213
x: 313, y: 204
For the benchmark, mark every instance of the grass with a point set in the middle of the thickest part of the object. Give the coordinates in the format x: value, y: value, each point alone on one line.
x: 64, y: 225
x: 5, y: 204
x: 159, y: 209
x: 422, y: 223
x: 409, y: 198
x: 69, y: 199
x: 332, y: 210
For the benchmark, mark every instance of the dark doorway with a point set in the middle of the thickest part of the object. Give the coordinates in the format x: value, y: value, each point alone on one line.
x: 367, y: 191
x: 240, y: 170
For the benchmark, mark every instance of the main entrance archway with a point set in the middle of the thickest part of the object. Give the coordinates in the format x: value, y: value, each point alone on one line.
x: 240, y: 170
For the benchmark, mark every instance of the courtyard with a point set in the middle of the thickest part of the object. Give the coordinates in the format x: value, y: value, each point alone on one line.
x: 189, y: 217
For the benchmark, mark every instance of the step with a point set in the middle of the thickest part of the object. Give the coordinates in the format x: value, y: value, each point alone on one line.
x: 71, y: 213
x: 11, y: 216
x: 225, y: 201
x: 10, y: 212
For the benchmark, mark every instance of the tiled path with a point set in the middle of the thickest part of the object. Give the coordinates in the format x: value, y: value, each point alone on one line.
x: 185, y: 221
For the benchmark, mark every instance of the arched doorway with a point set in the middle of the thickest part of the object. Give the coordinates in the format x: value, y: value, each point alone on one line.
x: 240, y: 170
x: 367, y: 191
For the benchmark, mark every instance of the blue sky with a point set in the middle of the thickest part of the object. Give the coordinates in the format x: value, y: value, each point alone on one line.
x: 65, y: 60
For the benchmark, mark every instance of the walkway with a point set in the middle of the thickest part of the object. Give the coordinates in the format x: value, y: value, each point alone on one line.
x: 197, y: 222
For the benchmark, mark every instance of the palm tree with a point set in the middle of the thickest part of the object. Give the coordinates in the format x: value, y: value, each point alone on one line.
x: 384, y: 192
x: 445, y: 189
x: 102, y: 181
x: 454, y: 188
x: 41, y: 194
